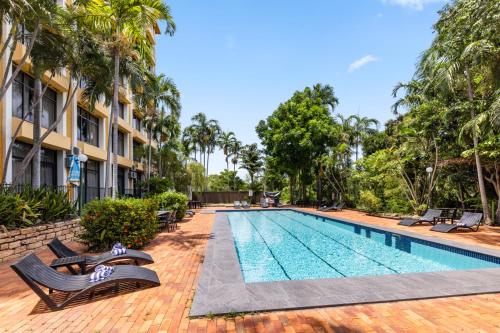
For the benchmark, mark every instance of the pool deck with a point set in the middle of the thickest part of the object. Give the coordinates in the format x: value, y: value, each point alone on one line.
x: 178, y: 261
x: 221, y: 287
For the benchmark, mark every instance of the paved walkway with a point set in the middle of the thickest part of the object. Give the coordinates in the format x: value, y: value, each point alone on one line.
x: 178, y: 258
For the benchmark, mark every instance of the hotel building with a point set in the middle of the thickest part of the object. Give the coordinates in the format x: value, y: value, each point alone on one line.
x: 79, y: 128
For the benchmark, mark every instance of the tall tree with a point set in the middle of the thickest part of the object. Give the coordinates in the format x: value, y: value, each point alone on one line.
x: 123, y: 26
x: 226, y: 139
x: 464, y: 55
x: 251, y: 161
x: 360, y: 128
x: 157, y: 93
x: 235, y: 151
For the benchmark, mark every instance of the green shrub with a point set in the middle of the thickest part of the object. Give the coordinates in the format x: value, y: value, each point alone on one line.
x: 155, y: 185
x: 173, y: 200
x: 34, y: 206
x: 131, y: 222
x: 370, y: 201
x: 16, y: 212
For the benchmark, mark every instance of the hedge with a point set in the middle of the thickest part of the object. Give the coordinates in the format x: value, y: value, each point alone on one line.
x: 173, y: 200
x: 132, y: 222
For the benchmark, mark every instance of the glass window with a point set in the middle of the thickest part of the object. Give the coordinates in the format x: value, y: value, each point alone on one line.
x: 136, y: 150
x: 121, y: 143
x: 121, y: 110
x: 22, y: 98
x: 88, y: 127
x: 136, y: 122
x: 121, y: 180
x: 48, y: 164
x: 91, y: 180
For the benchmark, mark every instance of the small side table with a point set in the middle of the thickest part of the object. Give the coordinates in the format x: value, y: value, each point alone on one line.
x: 68, y: 262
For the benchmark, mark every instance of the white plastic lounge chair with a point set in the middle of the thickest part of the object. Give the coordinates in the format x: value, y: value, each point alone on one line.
x: 468, y: 221
x: 245, y: 204
x: 237, y: 204
x: 429, y: 217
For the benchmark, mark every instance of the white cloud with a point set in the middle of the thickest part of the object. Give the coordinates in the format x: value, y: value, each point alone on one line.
x: 361, y: 62
x: 412, y: 4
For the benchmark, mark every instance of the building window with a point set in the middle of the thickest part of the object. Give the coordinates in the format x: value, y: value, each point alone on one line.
x: 48, y: 165
x: 121, y: 181
x: 137, y: 151
x: 88, y: 127
x: 90, y: 177
x: 22, y: 98
x: 121, y: 110
x: 136, y: 122
x: 121, y: 143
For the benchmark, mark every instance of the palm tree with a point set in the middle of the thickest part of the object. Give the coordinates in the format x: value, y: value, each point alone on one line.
x: 123, y: 26
x: 226, y: 139
x: 189, y: 141
x: 460, y: 54
x: 325, y: 93
x: 75, y: 49
x: 361, y: 127
x: 235, y: 153
x: 25, y: 21
x: 251, y: 161
x: 158, y: 91
x: 207, y: 132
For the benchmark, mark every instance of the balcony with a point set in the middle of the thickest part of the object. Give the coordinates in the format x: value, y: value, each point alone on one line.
x: 54, y: 140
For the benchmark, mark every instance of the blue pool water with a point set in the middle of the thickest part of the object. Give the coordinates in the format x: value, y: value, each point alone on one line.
x: 287, y: 245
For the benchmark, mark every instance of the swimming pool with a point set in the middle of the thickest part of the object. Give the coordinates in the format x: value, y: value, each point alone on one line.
x: 278, y: 245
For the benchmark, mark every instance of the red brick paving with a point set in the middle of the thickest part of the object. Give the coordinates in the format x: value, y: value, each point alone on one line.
x: 178, y: 259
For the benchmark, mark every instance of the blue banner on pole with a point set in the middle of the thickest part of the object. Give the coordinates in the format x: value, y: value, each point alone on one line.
x: 74, y: 171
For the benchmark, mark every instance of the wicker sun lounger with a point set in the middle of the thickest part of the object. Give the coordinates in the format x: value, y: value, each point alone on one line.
x: 429, y: 217
x: 35, y: 273
x: 468, y: 221
x: 62, y: 251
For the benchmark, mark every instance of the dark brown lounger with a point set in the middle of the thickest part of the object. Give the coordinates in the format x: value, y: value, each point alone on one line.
x: 468, y: 221
x: 428, y: 217
x: 62, y: 251
x: 335, y: 207
x: 35, y: 273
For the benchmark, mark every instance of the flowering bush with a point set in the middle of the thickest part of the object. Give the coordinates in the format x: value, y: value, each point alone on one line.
x: 132, y: 222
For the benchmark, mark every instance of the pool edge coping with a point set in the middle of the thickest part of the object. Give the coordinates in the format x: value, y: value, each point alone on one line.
x: 221, y: 288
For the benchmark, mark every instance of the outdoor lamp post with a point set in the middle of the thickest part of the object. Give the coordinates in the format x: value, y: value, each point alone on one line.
x: 429, y: 170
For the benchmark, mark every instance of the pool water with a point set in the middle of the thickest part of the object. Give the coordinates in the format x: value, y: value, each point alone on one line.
x: 278, y: 245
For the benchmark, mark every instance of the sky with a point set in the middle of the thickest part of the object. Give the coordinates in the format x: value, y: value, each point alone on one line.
x: 237, y: 60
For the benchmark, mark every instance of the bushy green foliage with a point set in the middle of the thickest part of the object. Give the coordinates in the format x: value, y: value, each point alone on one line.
x: 33, y: 206
x: 173, y: 200
x: 155, y: 185
x: 132, y: 222
x: 370, y: 201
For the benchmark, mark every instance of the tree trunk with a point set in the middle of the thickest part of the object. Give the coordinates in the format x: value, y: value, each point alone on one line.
x: 479, y: 168
x: 37, y: 128
x: 206, y: 172
x: 114, y: 110
x: 228, y: 179
x: 6, y: 83
x: 160, y: 172
x: 234, y: 177
x: 108, y: 159
x: 149, y: 156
